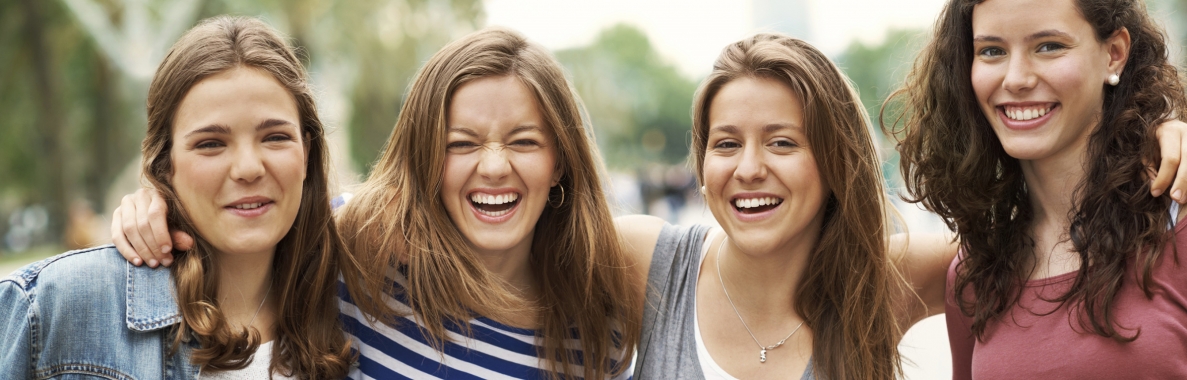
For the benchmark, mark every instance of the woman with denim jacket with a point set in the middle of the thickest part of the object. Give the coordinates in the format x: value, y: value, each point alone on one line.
x: 235, y: 146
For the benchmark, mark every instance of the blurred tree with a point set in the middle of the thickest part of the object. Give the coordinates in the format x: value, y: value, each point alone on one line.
x: 639, y: 104
x: 876, y: 71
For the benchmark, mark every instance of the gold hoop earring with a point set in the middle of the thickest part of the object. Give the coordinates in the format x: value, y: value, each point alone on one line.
x: 562, y: 202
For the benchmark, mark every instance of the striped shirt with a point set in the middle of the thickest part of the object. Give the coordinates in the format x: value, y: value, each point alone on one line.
x: 494, y: 351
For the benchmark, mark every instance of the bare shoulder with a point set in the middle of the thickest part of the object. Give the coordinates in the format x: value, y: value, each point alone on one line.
x: 638, y: 234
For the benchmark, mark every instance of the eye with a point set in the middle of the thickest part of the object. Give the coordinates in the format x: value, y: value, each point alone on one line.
x: 525, y: 143
x: 276, y: 137
x: 208, y: 144
x: 461, y: 145
x: 727, y: 144
x: 1050, y: 47
x: 991, y: 52
x: 784, y: 143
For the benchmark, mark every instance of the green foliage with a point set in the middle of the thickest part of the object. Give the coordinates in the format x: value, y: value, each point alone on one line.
x: 878, y: 70
x: 639, y: 104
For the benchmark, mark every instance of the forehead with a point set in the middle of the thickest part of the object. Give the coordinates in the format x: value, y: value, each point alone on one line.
x: 750, y: 102
x: 235, y: 97
x: 494, y: 104
x: 1024, y: 17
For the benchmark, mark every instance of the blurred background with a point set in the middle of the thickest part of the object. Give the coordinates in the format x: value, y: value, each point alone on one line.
x: 74, y: 75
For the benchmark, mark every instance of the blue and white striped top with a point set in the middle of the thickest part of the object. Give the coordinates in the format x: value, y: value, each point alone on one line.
x: 495, y: 351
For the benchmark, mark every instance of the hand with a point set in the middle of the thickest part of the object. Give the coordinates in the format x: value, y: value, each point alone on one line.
x: 1172, y: 139
x: 139, y: 231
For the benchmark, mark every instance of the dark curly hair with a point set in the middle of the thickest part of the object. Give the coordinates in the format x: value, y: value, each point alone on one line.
x: 954, y: 165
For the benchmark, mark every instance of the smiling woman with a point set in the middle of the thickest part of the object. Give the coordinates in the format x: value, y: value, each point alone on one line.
x: 1028, y: 124
x: 235, y: 147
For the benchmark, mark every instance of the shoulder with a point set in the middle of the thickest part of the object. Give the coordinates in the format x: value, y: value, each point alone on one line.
x: 82, y: 267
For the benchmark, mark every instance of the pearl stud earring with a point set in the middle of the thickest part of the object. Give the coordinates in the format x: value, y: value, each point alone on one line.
x: 1114, y: 79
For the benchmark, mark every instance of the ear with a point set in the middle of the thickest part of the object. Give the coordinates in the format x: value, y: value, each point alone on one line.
x: 557, y: 174
x: 1118, y: 46
x: 306, y: 143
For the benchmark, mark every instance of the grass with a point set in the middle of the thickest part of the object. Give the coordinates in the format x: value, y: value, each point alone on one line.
x: 11, y: 261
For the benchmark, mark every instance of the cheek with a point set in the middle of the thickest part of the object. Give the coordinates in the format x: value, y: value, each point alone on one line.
x: 194, y: 178
x: 457, y: 171
x: 985, y: 79
x: 536, y: 169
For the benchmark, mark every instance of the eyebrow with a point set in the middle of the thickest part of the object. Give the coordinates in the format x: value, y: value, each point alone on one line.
x: 1032, y: 37
x: 472, y: 133
x: 765, y: 129
x: 225, y: 130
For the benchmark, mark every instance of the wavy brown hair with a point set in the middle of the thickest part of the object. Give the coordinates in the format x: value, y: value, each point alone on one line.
x: 398, y: 218
x: 310, y: 343
x: 955, y: 166
x: 847, y: 295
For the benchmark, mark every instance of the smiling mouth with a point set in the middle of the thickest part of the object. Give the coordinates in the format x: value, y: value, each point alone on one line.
x: 756, y: 205
x: 494, y: 205
x: 1026, y: 113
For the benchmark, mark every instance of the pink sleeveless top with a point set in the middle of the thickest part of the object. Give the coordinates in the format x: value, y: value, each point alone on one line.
x: 1025, y: 344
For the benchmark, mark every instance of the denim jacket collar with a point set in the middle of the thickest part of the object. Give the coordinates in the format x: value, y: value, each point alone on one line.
x: 150, y: 302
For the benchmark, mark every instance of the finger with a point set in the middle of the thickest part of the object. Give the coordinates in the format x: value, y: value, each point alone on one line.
x: 1178, y: 192
x: 156, y: 221
x: 182, y: 241
x: 128, y: 228
x: 144, y: 226
x: 1169, y: 143
x: 121, y: 242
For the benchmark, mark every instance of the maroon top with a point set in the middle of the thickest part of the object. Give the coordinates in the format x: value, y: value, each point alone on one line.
x: 1023, y: 344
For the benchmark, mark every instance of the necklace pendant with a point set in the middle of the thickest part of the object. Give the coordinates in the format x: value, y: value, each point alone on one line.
x: 762, y: 356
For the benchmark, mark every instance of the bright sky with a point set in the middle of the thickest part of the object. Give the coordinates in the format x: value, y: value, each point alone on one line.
x: 690, y: 33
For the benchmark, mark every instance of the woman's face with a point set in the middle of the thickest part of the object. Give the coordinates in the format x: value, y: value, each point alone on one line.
x: 1039, y: 75
x: 761, y: 178
x: 239, y: 160
x: 500, y: 162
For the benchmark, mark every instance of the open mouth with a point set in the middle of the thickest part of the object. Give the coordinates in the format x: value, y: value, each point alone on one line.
x: 756, y: 205
x: 249, y: 206
x: 494, y: 205
x: 1028, y: 112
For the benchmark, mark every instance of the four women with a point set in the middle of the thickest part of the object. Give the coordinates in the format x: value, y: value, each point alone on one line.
x: 490, y: 147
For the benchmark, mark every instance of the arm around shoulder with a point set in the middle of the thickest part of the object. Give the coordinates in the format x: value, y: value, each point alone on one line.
x: 639, y: 234
x: 923, y: 260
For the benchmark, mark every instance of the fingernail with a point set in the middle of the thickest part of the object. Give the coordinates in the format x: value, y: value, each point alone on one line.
x: 166, y: 261
x: 165, y: 249
x: 1156, y: 192
x: 137, y: 262
x: 1178, y: 195
x: 152, y: 263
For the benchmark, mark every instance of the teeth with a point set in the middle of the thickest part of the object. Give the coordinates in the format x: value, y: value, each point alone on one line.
x: 488, y: 199
x: 495, y: 213
x: 248, y: 206
x: 1027, y: 113
x: 757, y: 202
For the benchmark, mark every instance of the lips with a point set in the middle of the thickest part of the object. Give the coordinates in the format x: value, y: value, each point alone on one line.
x: 1026, y: 115
x: 250, y: 206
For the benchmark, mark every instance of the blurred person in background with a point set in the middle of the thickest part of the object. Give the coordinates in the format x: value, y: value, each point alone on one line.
x: 1028, y: 125
x: 235, y: 147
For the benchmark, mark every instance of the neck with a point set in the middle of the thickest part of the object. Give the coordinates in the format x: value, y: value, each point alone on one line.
x: 512, y: 266
x: 765, y: 281
x: 1051, y: 184
x: 243, y: 283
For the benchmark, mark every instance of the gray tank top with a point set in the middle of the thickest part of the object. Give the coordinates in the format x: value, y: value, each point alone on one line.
x: 667, y: 346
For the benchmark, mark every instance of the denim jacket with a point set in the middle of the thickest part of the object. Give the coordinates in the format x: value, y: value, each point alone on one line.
x: 90, y: 314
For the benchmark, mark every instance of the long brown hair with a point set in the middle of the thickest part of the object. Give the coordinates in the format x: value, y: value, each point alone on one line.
x: 310, y: 342
x: 847, y: 294
x: 397, y: 217
x: 955, y: 166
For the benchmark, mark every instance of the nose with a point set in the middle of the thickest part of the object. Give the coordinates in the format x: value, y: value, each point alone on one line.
x: 1020, y: 75
x: 752, y: 166
x: 493, y: 164
x: 248, y: 164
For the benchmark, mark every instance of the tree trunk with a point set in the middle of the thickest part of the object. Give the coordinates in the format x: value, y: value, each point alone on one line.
x: 49, y: 118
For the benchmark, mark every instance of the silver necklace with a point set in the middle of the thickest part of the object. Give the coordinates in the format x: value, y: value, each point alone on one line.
x: 253, y: 316
x: 762, y: 353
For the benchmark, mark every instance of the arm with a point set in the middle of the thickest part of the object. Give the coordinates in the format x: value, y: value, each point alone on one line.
x: 639, y: 234
x: 923, y: 260
x: 15, y: 354
x: 139, y: 231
